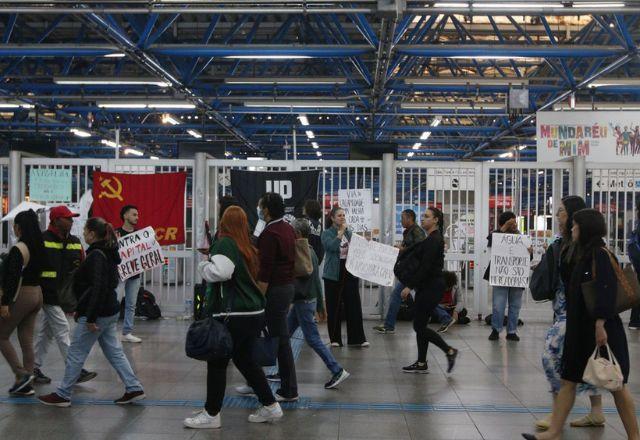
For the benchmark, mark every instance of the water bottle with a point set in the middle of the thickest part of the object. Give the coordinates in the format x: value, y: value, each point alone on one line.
x: 188, y: 308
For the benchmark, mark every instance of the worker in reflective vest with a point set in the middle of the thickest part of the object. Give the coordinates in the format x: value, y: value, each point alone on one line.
x: 64, y: 254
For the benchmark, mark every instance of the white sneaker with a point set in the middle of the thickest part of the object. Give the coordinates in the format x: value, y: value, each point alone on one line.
x: 203, y: 421
x: 266, y: 414
x: 131, y: 338
x: 245, y: 390
x: 335, y: 344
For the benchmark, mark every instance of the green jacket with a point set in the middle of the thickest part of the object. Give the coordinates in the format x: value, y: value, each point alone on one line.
x: 310, y: 288
x: 248, y: 299
x: 331, y: 244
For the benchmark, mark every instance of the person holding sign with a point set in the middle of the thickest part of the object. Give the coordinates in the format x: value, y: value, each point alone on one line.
x: 129, y: 289
x: 591, y: 330
x: 428, y: 283
x: 94, y: 285
x: 505, y: 293
x: 341, y: 288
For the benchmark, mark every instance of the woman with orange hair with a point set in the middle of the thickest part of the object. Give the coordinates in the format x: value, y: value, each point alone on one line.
x: 234, y: 296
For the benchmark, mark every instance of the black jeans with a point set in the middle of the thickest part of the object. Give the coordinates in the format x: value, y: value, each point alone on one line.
x: 635, y: 317
x: 244, y: 331
x: 344, y: 293
x: 426, y: 301
x: 279, y: 299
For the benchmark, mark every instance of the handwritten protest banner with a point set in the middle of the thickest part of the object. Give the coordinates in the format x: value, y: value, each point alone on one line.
x: 358, y: 208
x: 510, y: 261
x: 50, y: 185
x: 371, y: 261
x: 139, y: 252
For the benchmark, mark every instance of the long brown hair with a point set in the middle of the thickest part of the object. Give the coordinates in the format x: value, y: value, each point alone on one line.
x: 234, y: 224
x: 103, y: 230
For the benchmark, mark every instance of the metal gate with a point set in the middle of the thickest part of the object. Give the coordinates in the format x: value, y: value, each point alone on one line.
x: 173, y: 283
x: 334, y: 176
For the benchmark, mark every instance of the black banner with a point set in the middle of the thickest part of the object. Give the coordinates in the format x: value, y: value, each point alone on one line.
x: 295, y: 187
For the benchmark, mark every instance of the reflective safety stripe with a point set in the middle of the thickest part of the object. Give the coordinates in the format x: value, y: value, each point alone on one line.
x: 56, y: 245
x: 48, y: 274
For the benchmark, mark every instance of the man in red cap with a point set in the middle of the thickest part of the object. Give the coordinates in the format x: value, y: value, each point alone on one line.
x: 64, y: 254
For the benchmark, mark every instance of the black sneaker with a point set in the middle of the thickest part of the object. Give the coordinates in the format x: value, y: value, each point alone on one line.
x: 281, y: 396
x: 512, y: 337
x: 23, y: 383
x: 494, y: 336
x: 25, y: 392
x: 451, y: 360
x: 86, y: 376
x: 273, y: 377
x: 416, y: 367
x: 337, y: 379
x: 40, y: 377
x: 444, y: 327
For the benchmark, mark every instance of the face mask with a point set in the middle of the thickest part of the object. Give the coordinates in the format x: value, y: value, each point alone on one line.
x: 260, y: 214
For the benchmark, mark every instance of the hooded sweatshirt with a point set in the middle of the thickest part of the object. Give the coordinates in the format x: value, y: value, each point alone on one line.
x: 96, y: 281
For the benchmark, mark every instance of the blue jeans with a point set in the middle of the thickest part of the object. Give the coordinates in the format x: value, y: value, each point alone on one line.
x: 302, y: 315
x: 82, y: 342
x: 394, y: 306
x: 442, y: 315
x: 131, y: 288
x: 500, y: 297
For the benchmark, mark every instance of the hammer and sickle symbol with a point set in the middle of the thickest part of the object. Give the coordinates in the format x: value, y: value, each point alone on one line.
x: 112, y: 193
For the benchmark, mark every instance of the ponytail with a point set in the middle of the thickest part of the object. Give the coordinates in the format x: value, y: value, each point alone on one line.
x: 103, y: 230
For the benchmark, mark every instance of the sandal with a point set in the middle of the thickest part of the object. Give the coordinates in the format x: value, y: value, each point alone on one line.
x: 543, y: 424
x: 588, y: 421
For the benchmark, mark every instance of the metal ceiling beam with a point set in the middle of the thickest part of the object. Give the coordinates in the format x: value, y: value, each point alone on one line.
x: 492, y: 51
x: 151, y: 65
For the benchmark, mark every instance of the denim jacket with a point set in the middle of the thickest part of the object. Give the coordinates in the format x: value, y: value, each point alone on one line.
x: 331, y: 244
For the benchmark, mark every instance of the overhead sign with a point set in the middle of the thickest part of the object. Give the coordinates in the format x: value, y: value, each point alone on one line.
x: 358, y: 208
x: 50, y: 185
x: 371, y: 261
x: 599, y: 136
x: 615, y: 180
x: 510, y: 260
x: 451, y: 179
x: 139, y: 252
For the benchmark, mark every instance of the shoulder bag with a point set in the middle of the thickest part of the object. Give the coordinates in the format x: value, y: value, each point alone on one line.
x: 602, y: 372
x: 627, y: 288
x: 24, y: 250
x: 303, y: 266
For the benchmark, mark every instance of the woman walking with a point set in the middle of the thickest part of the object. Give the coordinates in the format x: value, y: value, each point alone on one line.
x: 232, y: 268
x: 554, y: 342
x: 428, y: 283
x: 95, y: 284
x: 22, y: 299
x: 341, y: 288
x: 585, y: 331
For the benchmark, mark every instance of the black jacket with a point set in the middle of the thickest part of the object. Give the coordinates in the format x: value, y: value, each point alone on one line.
x: 63, y: 256
x: 96, y: 281
x: 431, y: 261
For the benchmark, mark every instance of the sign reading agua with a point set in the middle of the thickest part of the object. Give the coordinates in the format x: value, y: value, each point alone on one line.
x: 510, y: 260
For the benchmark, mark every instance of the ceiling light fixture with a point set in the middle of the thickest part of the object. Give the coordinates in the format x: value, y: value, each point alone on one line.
x: 80, y: 132
x: 154, y: 158
x: 267, y: 57
x: 168, y: 119
x: 310, y: 134
x: 315, y: 145
x: 410, y: 154
x: 416, y: 145
x: 303, y: 119
x: 133, y: 151
x: 318, y: 153
x: 195, y: 133
x: 109, y: 81
x: 109, y: 143
x: 115, y: 55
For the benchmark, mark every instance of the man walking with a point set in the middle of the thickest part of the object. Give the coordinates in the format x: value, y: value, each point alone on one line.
x: 412, y: 234
x: 129, y: 288
x: 63, y: 255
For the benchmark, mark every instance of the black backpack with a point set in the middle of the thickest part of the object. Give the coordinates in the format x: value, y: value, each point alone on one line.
x: 146, y: 305
x: 408, y: 263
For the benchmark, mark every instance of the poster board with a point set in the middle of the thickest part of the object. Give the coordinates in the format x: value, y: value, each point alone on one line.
x: 139, y: 252
x: 358, y: 208
x: 50, y: 184
x: 510, y: 260
x: 371, y: 261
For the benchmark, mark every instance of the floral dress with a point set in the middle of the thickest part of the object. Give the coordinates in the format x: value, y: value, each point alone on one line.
x: 554, y: 345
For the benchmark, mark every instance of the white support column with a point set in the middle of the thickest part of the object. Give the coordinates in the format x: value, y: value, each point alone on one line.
x: 580, y: 176
x: 481, y: 205
x: 200, y: 205
x: 387, y: 211
x: 15, y: 179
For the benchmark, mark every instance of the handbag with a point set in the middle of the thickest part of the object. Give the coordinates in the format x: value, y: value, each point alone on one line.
x: 209, y: 339
x: 265, y: 349
x: 542, y: 281
x: 303, y: 266
x: 627, y: 288
x: 24, y: 250
x: 602, y: 372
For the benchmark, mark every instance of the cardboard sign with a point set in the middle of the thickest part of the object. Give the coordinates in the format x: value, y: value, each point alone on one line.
x: 371, y: 261
x: 139, y: 252
x: 358, y: 208
x: 510, y: 260
x: 50, y: 185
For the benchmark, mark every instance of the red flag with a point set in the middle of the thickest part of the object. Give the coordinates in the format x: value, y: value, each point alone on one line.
x: 158, y: 197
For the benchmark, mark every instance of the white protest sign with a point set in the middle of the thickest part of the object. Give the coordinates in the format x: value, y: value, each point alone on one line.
x: 358, y: 208
x: 510, y: 261
x: 371, y: 261
x: 139, y: 252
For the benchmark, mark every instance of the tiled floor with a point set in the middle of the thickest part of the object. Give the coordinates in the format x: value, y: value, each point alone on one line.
x: 496, y: 392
